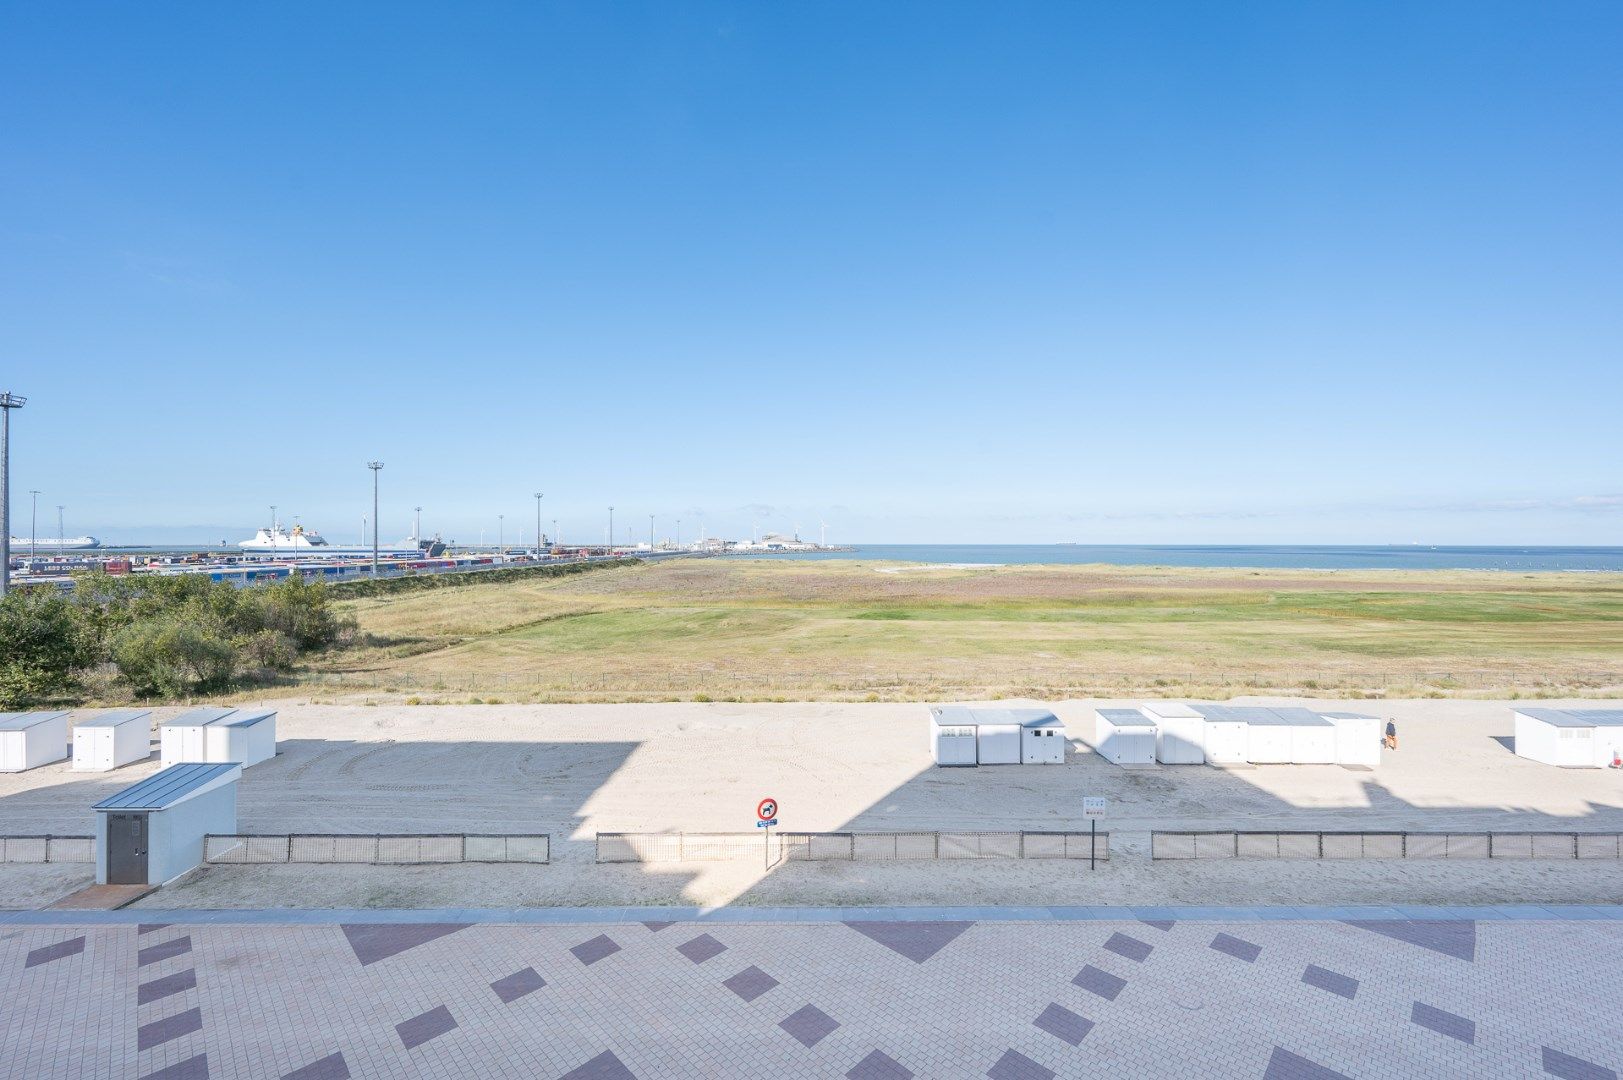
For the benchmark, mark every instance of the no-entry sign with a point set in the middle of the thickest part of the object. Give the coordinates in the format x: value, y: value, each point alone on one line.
x: 767, y: 810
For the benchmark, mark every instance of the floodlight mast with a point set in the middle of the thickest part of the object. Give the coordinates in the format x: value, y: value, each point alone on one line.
x: 538, y: 524
x: 8, y: 402
x: 376, y: 467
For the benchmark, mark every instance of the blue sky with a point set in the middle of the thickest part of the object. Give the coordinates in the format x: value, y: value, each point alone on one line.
x: 930, y: 272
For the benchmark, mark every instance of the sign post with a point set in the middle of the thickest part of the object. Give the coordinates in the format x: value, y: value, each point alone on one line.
x: 1093, y: 808
x: 766, y: 814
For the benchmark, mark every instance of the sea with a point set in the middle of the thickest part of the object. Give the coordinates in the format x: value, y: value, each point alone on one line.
x: 1296, y: 556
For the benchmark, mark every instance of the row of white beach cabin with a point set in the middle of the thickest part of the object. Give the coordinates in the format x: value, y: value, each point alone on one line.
x: 1570, y: 738
x: 1174, y: 733
x: 961, y: 735
x: 210, y: 734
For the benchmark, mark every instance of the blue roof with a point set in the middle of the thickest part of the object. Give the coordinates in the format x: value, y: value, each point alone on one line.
x: 173, y: 785
x: 1285, y: 716
x: 22, y: 721
x: 113, y: 718
x: 245, y: 717
x: 1577, y: 718
x: 1126, y: 717
x: 198, y: 717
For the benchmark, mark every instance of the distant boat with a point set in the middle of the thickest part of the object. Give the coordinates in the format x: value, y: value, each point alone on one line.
x: 301, y: 541
x: 53, y: 543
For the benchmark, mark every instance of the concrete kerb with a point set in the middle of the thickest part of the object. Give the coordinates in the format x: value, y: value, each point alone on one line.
x: 620, y: 915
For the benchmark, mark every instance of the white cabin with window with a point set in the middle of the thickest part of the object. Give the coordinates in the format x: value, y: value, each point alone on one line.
x: 960, y: 735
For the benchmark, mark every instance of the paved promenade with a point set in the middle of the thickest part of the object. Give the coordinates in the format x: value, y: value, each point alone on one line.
x: 1285, y: 995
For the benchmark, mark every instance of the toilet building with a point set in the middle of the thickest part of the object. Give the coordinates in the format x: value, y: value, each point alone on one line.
x: 153, y: 832
x: 247, y: 737
x: 1180, y: 733
x: 1124, y: 736
x: 31, y: 739
x: 180, y: 738
x: 1571, y: 738
x: 960, y: 735
x: 111, y: 739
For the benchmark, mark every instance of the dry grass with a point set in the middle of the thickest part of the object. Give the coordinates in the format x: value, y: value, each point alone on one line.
x: 759, y: 629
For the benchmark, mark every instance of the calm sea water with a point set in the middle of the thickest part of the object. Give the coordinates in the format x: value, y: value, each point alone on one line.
x: 1310, y: 557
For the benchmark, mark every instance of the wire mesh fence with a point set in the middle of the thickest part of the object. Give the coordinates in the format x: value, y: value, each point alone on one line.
x: 1384, y: 845
x: 47, y: 849
x: 377, y: 849
x: 781, y: 847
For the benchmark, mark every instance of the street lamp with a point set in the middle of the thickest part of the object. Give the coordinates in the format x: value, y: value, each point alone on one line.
x: 538, y: 524
x: 8, y: 402
x: 376, y: 467
x: 501, y: 536
x: 417, y: 524
x: 611, y: 532
x: 650, y: 534
x: 679, y: 534
x: 33, y: 531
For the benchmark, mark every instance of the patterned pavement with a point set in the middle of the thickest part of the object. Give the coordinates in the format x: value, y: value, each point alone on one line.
x: 876, y: 999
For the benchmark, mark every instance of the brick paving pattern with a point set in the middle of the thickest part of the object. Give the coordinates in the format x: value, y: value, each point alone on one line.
x: 1282, y: 999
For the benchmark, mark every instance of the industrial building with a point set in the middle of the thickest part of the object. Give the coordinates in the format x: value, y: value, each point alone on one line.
x: 1571, y: 738
x: 960, y: 735
x: 152, y: 832
x: 118, y: 737
x: 31, y: 739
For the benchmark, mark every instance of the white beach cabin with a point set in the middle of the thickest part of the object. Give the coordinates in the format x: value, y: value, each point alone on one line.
x: 108, y: 740
x: 1227, y: 735
x: 1124, y: 736
x: 1358, y: 738
x: 961, y: 735
x: 1180, y: 733
x: 31, y: 739
x: 180, y: 738
x: 1570, y: 738
x: 247, y: 737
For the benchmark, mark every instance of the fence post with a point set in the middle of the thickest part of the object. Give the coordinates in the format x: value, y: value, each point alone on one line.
x: 937, y: 837
x: 47, y: 847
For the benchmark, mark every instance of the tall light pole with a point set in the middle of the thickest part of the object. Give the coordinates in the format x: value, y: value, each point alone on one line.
x: 61, y: 533
x: 650, y: 534
x: 501, y: 536
x: 273, y: 528
x: 8, y: 402
x: 611, y: 532
x: 33, y: 530
x: 555, y: 539
x: 376, y: 467
x: 538, y: 524
x: 679, y: 534
x: 417, y: 524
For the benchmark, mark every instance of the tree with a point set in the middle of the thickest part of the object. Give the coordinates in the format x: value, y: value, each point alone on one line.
x: 42, y: 652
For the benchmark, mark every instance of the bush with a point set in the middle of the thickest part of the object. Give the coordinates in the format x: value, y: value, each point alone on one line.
x: 42, y: 651
x: 170, y: 656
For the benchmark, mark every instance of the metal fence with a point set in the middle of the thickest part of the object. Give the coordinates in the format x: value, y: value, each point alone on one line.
x: 377, y: 849
x: 779, y: 847
x: 1384, y: 845
x: 47, y: 849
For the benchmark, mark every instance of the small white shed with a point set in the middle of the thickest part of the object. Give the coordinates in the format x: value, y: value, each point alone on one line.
x: 1124, y: 736
x: 961, y: 735
x: 1042, y: 740
x: 1571, y: 738
x: 247, y: 737
x: 952, y: 735
x: 31, y: 739
x: 180, y: 738
x: 1180, y: 733
x: 106, y: 741
x: 1313, y: 738
x: 153, y: 832
x: 1358, y: 738
x: 1227, y: 735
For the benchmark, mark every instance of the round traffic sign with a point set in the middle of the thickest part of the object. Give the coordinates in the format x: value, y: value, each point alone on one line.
x: 767, y: 810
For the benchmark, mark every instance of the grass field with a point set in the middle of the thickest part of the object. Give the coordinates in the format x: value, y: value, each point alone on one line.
x: 763, y: 629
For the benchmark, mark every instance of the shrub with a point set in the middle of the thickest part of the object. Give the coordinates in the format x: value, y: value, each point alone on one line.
x: 42, y: 651
x: 171, y: 656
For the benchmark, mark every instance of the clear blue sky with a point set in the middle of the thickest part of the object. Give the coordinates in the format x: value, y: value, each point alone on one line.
x: 1295, y: 272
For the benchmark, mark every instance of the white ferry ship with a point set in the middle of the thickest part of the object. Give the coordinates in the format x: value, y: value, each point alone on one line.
x: 54, y: 543
x: 301, y: 541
